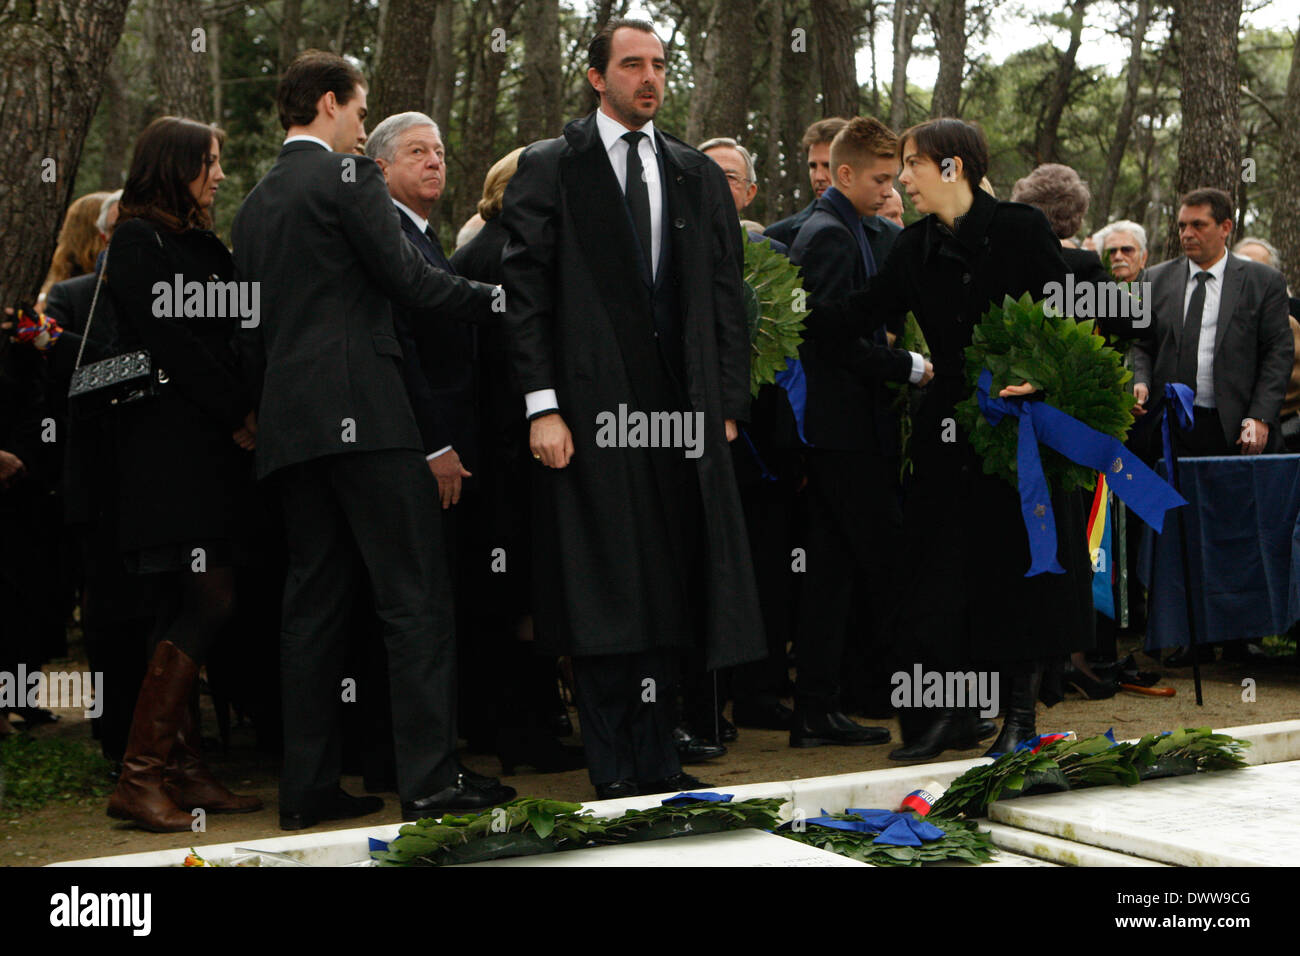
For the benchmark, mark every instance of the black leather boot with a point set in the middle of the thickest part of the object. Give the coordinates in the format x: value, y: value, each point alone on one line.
x: 1019, y: 725
x: 952, y: 728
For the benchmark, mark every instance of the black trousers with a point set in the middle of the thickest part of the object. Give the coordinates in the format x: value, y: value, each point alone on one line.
x: 627, y: 723
x: 386, y: 504
x: 853, y: 533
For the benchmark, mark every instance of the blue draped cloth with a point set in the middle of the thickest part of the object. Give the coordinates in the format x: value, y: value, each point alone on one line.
x: 1243, y: 551
x: 1134, y: 483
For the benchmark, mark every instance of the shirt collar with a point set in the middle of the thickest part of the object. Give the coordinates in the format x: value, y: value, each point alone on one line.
x: 611, y: 130
x: 420, y: 223
x: 301, y: 137
x: 1215, y: 270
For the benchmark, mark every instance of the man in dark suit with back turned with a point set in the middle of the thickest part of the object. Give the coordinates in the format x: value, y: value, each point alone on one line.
x: 1221, y: 328
x: 623, y: 294
x: 853, y: 513
x: 321, y: 236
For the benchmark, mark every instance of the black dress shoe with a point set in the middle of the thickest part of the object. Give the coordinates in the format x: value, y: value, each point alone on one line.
x: 952, y: 729
x: 1183, y: 656
x: 561, y: 725
x: 763, y: 714
x: 813, y: 730
x: 1240, y: 651
x: 728, y: 730
x: 1100, y: 689
x: 338, y: 806
x: 536, y: 748
x: 36, y: 716
x: 463, y: 795
x: 692, y: 749
x: 678, y: 783
x: 616, y: 790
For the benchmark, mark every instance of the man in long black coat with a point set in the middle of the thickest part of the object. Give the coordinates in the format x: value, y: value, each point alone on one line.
x: 638, y: 550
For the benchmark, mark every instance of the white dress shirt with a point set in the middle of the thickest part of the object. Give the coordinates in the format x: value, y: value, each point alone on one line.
x: 611, y: 134
x: 303, y: 137
x: 1209, y: 323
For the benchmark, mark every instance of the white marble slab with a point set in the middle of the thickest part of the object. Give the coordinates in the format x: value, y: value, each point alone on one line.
x: 745, y: 848
x: 1231, y: 818
x: 1054, y: 851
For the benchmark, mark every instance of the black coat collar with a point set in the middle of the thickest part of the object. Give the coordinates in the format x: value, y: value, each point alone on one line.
x: 972, y: 232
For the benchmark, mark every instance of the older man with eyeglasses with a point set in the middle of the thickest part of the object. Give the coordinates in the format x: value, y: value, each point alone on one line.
x: 1123, y: 245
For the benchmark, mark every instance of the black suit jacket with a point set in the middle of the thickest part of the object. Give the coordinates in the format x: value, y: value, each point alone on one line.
x: 1253, y: 349
x: 786, y: 229
x: 320, y: 233
x: 845, y: 393
x: 439, y: 360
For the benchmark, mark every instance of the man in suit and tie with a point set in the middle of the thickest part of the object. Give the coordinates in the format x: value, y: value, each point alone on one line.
x: 853, y: 513
x: 623, y: 294
x: 1220, y: 328
x: 817, y: 140
x: 335, y: 429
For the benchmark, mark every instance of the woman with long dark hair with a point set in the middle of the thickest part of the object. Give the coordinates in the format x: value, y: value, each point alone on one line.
x: 183, y: 458
x: 968, y: 604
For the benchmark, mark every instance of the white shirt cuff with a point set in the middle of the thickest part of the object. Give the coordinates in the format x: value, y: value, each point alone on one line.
x: 542, y: 400
x: 918, y: 368
x: 440, y: 451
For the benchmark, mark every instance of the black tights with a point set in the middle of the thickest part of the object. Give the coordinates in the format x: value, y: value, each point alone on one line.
x: 193, y: 608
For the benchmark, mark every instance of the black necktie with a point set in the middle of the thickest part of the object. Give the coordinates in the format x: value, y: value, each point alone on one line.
x: 638, y: 197
x: 1191, y: 344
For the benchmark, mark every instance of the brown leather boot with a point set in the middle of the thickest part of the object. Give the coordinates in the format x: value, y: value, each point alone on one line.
x: 165, y: 693
x: 190, y: 783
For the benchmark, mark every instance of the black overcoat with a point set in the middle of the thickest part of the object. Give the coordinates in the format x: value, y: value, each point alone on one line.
x: 582, y: 324
x: 968, y: 599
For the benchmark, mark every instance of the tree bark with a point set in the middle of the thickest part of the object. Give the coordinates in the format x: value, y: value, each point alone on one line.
x: 905, y: 24
x: 53, y: 56
x: 290, y: 32
x: 771, y: 199
x: 1124, y: 123
x: 720, y: 100
x: 1209, y: 139
x: 401, y: 59
x: 180, y: 72
x: 538, y: 99
x: 836, y: 25
x: 1047, y: 147
x: 1286, y: 212
x: 117, y: 127
x: 948, y: 20
x: 440, y: 84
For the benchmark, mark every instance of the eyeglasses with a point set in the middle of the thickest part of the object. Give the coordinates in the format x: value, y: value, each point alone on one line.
x: 737, y: 178
x: 1127, y: 250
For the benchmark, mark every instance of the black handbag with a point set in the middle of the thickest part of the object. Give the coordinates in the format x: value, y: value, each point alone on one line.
x: 121, y: 379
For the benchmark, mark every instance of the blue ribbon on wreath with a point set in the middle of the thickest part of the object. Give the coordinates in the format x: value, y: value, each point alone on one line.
x: 1145, y: 492
x: 1178, y: 400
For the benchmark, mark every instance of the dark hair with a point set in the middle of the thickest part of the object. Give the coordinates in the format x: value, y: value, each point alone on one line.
x: 948, y: 138
x: 598, y: 49
x: 1059, y: 192
x: 1220, y: 203
x: 169, y: 155
x: 311, y: 75
x: 823, y: 131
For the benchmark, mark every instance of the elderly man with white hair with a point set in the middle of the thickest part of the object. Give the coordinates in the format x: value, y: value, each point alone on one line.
x: 1124, y: 243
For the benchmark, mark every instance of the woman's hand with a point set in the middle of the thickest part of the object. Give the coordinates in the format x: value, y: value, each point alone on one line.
x: 1017, y: 391
x: 246, y: 435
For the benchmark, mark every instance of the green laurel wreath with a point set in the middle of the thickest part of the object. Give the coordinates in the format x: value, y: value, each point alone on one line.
x: 775, y: 327
x: 1073, y: 369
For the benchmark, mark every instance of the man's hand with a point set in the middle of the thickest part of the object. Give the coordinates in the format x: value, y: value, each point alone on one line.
x: 927, y: 374
x: 449, y: 471
x: 733, y: 430
x: 550, y: 441
x: 1141, y: 394
x: 1254, y: 437
x: 11, y: 466
x: 246, y: 435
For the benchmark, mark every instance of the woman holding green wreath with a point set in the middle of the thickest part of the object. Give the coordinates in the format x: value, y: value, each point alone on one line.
x: 967, y: 604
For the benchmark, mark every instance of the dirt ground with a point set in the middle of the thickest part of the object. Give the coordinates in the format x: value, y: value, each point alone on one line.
x: 78, y: 828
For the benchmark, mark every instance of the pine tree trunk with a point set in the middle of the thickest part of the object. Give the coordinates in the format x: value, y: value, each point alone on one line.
x: 401, y: 59
x: 1209, y: 140
x: 949, y: 22
x: 53, y: 56
x: 771, y: 198
x: 1286, y: 212
x: 720, y: 99
x: 116, y: 154
x: 835, y: 27
x: 1047, y: 148
x: 905, y: 24
x: 179, y: 59
x: 538, y: 99
x: 290, y: 32
x: 1124, y: 123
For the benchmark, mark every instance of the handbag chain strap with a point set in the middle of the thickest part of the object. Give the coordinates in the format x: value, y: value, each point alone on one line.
x: 94, y: 299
